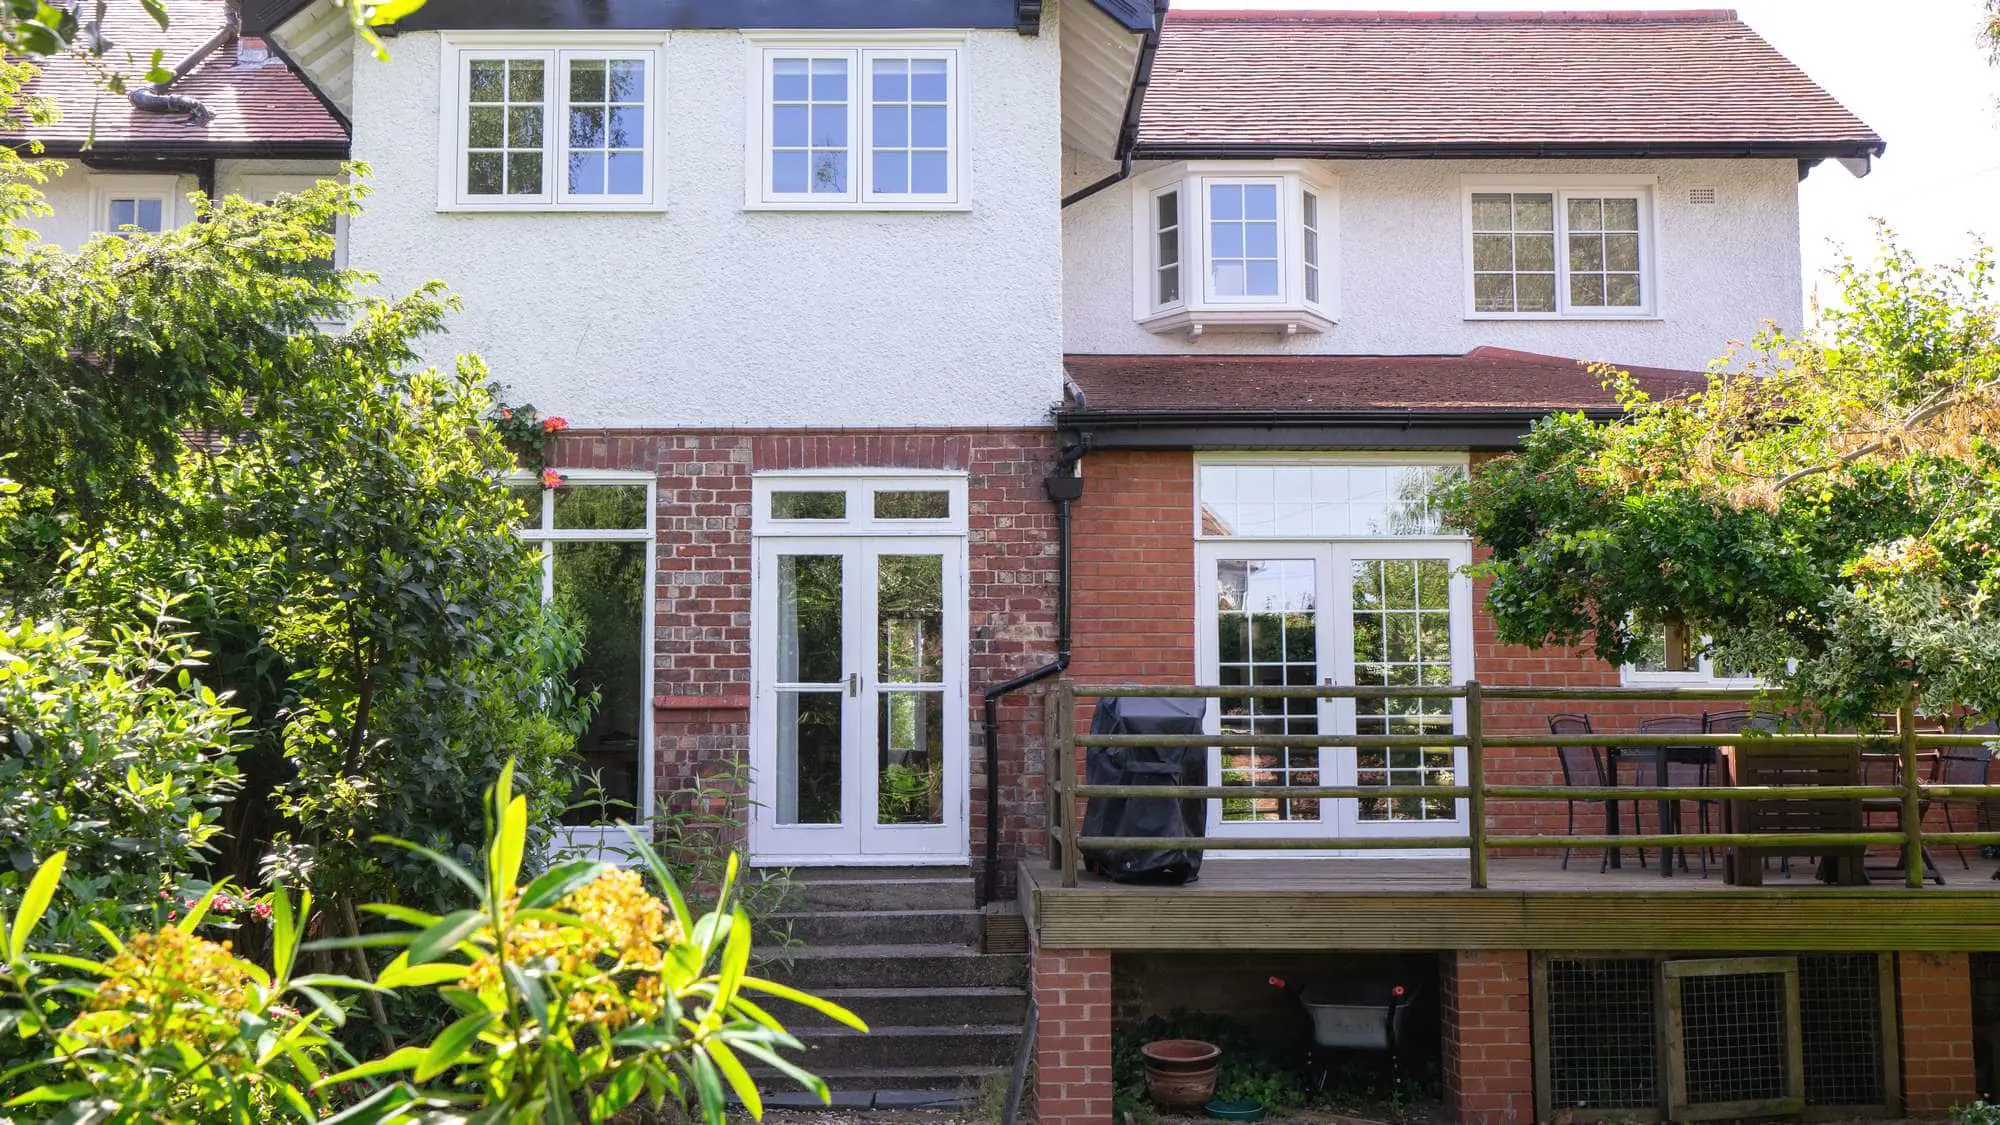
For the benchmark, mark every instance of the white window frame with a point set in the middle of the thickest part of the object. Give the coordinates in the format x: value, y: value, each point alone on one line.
x: 1563, y: 188
x: 765, y: 47
x: 1200, y: 308
x: 860, y: 487
x: 266, y: 185
x: 1151, y: 265
x: 1357, y: 459
x: 1702, y: 675
x: 105, y: 188
x: 556, y: 52
x: 591, y: 842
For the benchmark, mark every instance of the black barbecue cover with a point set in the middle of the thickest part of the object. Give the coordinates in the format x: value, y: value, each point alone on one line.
x: 1148, y: 765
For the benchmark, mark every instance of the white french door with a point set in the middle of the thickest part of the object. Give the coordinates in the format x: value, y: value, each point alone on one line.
x: 858, y: 723
x: 1386, y: 612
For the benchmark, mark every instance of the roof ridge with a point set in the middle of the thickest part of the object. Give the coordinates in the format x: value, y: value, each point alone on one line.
x: 1392, y: 15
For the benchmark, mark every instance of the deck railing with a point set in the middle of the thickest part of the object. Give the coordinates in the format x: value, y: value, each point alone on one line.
x: 1907, y: 742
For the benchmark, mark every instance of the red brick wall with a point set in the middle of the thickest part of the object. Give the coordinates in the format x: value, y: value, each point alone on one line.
x: 1934, y: 1009
x: 1072, y: 989
x: 1489, y: 1065
x: 701, y: 633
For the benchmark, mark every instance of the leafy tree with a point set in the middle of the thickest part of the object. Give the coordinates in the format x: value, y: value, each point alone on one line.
x: 1827, y: 514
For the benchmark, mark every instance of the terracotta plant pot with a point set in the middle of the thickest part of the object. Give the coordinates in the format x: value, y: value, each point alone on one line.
x: 1180, y: 1073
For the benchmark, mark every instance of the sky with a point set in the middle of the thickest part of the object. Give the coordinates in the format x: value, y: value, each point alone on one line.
x: 1912, y: 69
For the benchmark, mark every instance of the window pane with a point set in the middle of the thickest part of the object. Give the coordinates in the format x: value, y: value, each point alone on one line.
x: 1492, y: 252
x: 809, y: 758
x: 1260, y: 201
x: 1535, y: 292
x: 504, y: 127
x: 1266, y: 609
x: 1535, y: 212
x: 1243, y: 240
x: 909, y: 611
x: 607, y: 127
x: 601, y: 507
x: 1621, y: 290
x: 1169, y: 209
x: 910, y: 758
x: 815, y: 505
x: 124, y: 213
x: 1621, y: 252
x: 486, y: 127
x: 1535, y: 252
x: 1621, y: 214
x: 929, y: 80
x: 929, y: 173
x: 1513, y: 234
x: 1493, y: 292
x: 1586, y: 289
x: 587, y: 80
x: 1586, y: 252
x: 601, y: 588
x: 809, y: 126
x: 524, y: 173
x: 892, y: 172
x: 1319, y: 501
x: 484, y: 173
x: 1402, y: 636
x: 524, y: 80
x: 913, y: 504
x: 809, y: 621
x: 487, y: 81
x: 911, y: 139
x: 1586, y: 214
x: 627, y: 174
x: 529, y: 496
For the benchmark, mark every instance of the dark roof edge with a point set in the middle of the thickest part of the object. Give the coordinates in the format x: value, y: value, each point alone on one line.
x: 1246, y: 429
x: 261, y: 18
x: 225, y: 150
x: 1856, y: 147
x: 1142, y: 77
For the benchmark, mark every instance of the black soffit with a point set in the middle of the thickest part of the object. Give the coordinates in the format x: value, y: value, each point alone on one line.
x: 645, y: 15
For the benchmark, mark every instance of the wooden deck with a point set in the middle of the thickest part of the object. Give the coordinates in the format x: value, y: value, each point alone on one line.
x: 1532, y: 903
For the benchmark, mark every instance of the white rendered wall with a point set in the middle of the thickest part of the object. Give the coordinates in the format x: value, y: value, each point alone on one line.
x: 74, y: 196
x: 1721, y: 268
x: 710, y: 315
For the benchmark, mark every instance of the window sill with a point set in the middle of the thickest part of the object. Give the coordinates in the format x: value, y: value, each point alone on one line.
x: 1644, y: 318
x: 843, y: 205
x: 1196, y: 323
x: 551, y: 208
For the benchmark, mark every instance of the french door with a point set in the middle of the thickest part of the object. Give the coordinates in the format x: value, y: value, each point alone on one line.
x: 858, y: 722
x: 1392, y: 613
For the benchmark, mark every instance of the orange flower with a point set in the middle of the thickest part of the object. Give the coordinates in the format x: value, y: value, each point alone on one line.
x: 505, y: 414
x: 551, y: 479
x: 555, y: 424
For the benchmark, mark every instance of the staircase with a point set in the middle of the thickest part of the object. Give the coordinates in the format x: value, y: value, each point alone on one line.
x: 901, y: 948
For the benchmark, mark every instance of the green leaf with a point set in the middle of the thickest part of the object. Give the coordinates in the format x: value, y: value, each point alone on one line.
x: 402, y: 1058
x: 199, y: 910
x: 778, y: 1062
x: 451, y: 1045
x: 707, y: 1087
x: 418, y: 918
x: 451, y: 866
x: 739, y: 1079
x: 400, y: 974
x: 34, y: 902
x: 532, y: 994
x: 551, y: 885
x: 382, y: 1105
x: 445, y: 935
x: 506, y: 851
x: 826, y: 1008
x: 618, y: 1092
x: 60, y: 1092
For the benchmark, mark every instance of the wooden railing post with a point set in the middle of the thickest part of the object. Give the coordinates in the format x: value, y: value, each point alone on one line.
x: 1475, y: 769
x: 1913, y: 814
x: 1066, y: 769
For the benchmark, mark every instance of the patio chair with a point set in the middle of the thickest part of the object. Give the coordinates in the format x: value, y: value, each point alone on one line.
x: 1886, y: 813
x: 1965, y: 765
x: 1584, y: 766
x: 1682, y: 770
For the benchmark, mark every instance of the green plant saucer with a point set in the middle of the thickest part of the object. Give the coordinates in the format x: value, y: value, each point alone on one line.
x: 1235, y: 1109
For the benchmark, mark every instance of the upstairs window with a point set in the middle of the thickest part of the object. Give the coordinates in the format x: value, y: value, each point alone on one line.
x: 1234, y: 248
x: 146, y: 213
x: 570, y: 129
x: 125, y: 204
x: 1554, y: 251
x: 857, y: 127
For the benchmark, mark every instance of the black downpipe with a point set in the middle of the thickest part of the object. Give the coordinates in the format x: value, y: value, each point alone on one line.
x: 1063, y: 487
x: 1123, y: 173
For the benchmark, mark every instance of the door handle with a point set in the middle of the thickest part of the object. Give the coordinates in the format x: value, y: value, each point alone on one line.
x: 853, y: 685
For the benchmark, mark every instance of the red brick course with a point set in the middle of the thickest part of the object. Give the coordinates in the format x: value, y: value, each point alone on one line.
x: 1072, y: 990
x: 1934, y: 1009
x: 1488, y: 1044
x: 701, y: 634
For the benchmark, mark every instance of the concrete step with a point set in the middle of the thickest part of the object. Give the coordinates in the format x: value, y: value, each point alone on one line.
x: 814, y: 968
x: 898, y: 1087
x: 840, y: 1048
x: 912, y: 1007
x: 849, y: 891
x: 875, y: 927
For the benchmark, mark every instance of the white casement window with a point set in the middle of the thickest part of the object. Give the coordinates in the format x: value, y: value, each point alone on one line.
x: 121, y: 205
x: 595, y: 537
x: 1660, y: 665
x: 1566, y: 247
x: 842, y: 125
x: 1234, y: 247
x: 534, y: 128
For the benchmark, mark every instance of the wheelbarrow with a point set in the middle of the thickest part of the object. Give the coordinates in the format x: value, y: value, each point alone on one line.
x: 1353, y: 1016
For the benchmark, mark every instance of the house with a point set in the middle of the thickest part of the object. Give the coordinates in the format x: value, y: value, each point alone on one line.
x: 921, y: 358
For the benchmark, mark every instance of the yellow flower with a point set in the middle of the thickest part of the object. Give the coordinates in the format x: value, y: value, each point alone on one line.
x: 604, y: 970
x: 168, y: 986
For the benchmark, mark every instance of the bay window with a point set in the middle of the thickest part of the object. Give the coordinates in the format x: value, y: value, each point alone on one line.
x: 1234, y: 248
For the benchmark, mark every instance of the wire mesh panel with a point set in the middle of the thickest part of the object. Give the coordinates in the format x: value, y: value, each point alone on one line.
x: 1841, y: 1027
x: 1733, y: 1037
x: 1601, y: 1033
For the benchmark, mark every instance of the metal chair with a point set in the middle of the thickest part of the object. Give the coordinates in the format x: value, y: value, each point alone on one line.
x: 1968, y: 765
x: 1681, y: 772
x: 1584, y: 766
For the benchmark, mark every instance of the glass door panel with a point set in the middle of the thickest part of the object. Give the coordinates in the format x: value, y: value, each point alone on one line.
x: 805, y: 706
x: 1402, y: 637
x: 1267, y: 635
x: 601, y: 586
x: 916, y: 770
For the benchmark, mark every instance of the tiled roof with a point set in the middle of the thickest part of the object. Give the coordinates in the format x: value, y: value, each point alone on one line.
x: 1482, y: 381
x: 267, y: 108
x: 1501, y: 83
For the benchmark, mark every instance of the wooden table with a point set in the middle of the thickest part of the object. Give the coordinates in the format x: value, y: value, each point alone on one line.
x: 1753, y: 765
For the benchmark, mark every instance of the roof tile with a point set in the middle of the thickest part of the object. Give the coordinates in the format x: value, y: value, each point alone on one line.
x: 1352, y: 82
